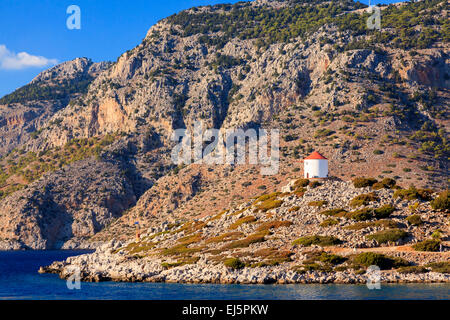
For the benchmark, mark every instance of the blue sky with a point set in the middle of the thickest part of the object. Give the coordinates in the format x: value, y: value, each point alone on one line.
x: 37, y: 28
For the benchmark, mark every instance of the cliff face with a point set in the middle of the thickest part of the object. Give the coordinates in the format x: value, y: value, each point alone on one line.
x: 373, y: 103
x: 29, y: 108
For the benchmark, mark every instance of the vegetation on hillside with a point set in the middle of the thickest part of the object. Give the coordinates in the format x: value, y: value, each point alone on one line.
x: 37, y: 91
x: 269, y: 25
x: 30, y: 166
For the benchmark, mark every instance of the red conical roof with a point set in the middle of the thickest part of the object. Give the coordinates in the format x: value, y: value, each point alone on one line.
x: 315, y: 155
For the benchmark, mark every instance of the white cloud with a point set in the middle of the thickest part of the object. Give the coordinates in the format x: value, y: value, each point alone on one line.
x: 15, y: 61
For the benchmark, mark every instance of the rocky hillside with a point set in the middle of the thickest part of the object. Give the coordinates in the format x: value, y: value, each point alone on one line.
x: 374, y: 102
x: 310, y: 232
x: 26, y: 110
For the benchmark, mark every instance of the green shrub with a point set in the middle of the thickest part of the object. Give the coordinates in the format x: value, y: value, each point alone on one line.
x: 386, y: 183
x: 413, y: 193
x: 333, y: 212
x: 441, y: 267
x: 328, y: 222
x: 301, y: 183
x: 383, y: 262
x: 333, y: 259
x: 314, y: 184
x: 362, y: 214
x: 268, y: 201
x: 318, y: 203
x: 437, y: 234
x: 241, y: 221
x: 234, y: 263
x: 384, y: 211
x: 414, y: 220
x: 431, y: 245
x: 381, y: 223
x: 413, y: 269
x: 389, y: 182
x: 317, y: 240
x: 294, y: 209
x: 250, y: 239
x: 363, y: 199
x: 390, y: 235
x: 377, y: 186
x: 324, y: 257
x: 442, y: 202
x: 378, y: 151
x: 362, y: 182
x: 299, y: 192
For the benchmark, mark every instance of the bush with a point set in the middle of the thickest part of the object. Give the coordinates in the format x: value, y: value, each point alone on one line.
x: 381, y: 223
x: 328, y: 222
x: 299, y: 192
x: 442, y: 202
x: 241, y: 221
x: 413, y: 269
x: 363, y: 199
x: 441, y: 267
x: 268, y: 201
x: 389, y: 182
x: 301, y: 183
x: 314, y: 184
x: 324, y: 257
x: 386, y: 183
x: 362, y: 214
x: 333, y: 212
x: 333, y: 259
x: 234, y: 263
x: 364, y: 182
x: 317, y: 240
x: 275, y: 224
x: 431, y: 245
x: 269, y: 204
x: 378, y: 151
x: 413, y: 193
x: 390, y: 235
x: 383, y: 262
x: 384, y: 211
x: 319, y: 203
x: 250, y: 239
x: 437, y: 234
x: 414, y: 220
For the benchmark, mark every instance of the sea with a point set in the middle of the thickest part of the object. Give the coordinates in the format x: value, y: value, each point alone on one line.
x: 20, y: 280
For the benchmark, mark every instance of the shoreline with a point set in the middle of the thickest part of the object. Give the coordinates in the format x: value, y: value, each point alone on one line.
x: 103, y: 265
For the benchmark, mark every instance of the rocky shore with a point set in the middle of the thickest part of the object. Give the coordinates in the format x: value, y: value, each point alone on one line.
x: 72, y: 244
x: 263, y: 241
x: 106, y: 266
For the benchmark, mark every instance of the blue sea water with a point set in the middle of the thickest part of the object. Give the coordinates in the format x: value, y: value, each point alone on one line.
x: 19, y: 280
